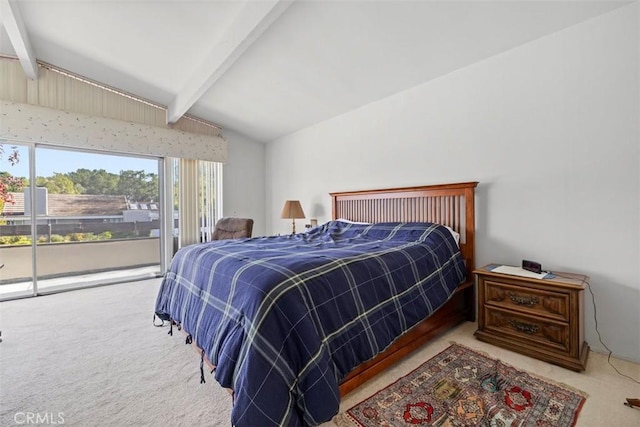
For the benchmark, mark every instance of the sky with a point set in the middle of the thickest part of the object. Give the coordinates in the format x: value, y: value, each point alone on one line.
x: 51, y: 161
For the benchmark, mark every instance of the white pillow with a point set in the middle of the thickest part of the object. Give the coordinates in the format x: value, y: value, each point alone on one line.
x: 348, y: 221
x: 455, y: 234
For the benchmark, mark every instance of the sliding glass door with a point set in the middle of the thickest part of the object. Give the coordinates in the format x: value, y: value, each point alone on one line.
x: 81, y: 218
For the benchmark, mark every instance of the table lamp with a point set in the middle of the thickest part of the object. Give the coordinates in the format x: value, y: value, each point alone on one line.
x: 292, y: 210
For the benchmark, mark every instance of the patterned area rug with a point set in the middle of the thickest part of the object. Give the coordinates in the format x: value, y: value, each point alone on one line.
x: 461, y: 387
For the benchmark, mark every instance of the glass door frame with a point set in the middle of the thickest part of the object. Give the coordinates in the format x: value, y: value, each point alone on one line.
x: 33, y: 218
x: 165, y: 201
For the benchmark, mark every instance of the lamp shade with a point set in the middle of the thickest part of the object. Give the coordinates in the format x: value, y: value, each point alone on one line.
x: 292, y: 210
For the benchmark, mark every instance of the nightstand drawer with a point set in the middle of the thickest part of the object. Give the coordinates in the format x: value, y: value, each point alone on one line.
x: 547, y: 333
x: 554, y: 305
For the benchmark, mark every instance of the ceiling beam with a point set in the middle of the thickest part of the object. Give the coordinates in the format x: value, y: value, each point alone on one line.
x: 251, y: 22
x: 14, y: 25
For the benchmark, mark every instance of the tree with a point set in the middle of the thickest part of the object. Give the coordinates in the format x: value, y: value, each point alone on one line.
x: 13, y: 158
x: 57, y: 184
x: 135, y: 185
x: 9, y: 184
x: 138, y: 186
x: 13, y: 184
x: 97, y: 181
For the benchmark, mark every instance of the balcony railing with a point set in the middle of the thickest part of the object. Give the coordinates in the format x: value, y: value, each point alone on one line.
x: 140, y: 228
x: 72, y: 258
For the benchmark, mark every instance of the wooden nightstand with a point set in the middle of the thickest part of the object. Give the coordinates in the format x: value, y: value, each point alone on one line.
x: 542, y: 318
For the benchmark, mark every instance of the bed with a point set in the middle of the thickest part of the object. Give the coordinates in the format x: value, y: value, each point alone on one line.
x: 291, y: 323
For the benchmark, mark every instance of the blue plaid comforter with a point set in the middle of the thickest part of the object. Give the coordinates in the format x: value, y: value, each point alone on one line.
x: 284, y: 319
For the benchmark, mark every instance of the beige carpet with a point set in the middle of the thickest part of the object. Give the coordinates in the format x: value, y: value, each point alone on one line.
x: 92, y: 357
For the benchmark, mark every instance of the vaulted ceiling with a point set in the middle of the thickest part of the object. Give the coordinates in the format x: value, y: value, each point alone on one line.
x: 268, y: 68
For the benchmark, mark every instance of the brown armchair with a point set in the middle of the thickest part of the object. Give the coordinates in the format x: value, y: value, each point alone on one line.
x: 232, y: 228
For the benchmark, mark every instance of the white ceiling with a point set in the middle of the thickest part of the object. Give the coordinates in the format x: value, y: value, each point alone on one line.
x: 268, y: 68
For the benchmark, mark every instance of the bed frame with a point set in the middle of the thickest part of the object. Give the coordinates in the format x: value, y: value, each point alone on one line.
x: 447, y: 204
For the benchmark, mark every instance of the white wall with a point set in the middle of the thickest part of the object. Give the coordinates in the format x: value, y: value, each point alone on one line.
x: 243, y: 180
x: 551, y: 131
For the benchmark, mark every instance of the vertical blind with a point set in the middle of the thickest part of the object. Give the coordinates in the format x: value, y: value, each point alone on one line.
x: 210, y: 183
x: 200, y: 199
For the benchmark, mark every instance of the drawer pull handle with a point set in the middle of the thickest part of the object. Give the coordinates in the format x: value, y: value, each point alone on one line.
x: 529, y: 302
x: 527, y: 328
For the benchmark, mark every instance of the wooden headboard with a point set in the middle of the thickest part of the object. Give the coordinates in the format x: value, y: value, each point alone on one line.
x: 447, y: 204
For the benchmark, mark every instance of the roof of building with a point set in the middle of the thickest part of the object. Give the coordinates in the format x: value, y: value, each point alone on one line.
x: 72, y: 205
x: 16, y: 207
